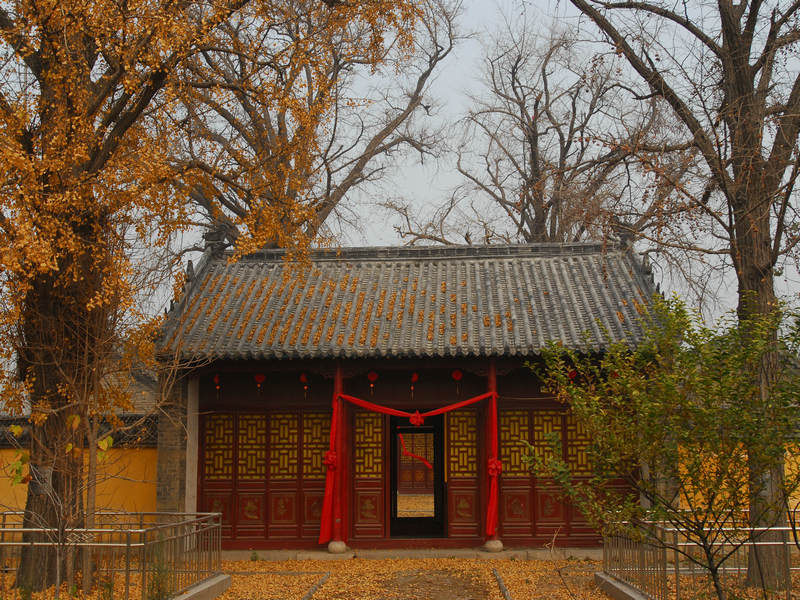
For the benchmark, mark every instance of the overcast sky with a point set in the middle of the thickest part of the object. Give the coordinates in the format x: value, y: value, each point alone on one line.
x: 428, y: 185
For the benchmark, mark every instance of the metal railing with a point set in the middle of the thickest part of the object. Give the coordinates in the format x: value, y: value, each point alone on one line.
x: 663, y: 563
x: 151, y: 556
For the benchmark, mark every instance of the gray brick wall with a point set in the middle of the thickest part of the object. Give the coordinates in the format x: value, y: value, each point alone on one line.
x: 171, y: 467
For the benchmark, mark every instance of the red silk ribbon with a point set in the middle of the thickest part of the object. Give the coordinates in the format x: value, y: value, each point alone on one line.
x: 331, y: 462
x: 411, y: 454
x: 493, y: 466
x: 416, y: 418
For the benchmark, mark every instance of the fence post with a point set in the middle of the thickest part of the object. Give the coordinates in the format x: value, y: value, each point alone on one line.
x: 2, y: 554
x: 664, y: 579
x: 127, y: 564
x: 641, y: 562
x: 217, y: 535
x: 677, y: 560
x: 605, y: 554
x: 787, y: 562
x: 143, y: 560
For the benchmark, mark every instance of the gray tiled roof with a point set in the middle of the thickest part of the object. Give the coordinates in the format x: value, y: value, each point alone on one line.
x: 409, y: 302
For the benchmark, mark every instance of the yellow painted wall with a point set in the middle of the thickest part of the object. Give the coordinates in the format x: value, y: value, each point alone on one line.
x: 12, y: 497
x: 792, y: 472
x: 126, y: 481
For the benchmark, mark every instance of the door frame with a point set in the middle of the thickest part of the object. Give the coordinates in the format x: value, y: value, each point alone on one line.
x: 418, y: 527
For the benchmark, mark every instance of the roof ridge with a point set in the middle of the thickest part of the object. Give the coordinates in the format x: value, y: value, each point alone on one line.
x: 366, y: 253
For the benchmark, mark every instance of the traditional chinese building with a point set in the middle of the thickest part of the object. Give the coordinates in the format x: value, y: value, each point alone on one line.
x: 378, y: 396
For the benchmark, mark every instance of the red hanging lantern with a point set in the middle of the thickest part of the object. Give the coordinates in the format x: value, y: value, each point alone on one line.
x: 260, y: 378
x: 304, y: 381
x: 457, y: 376
x: 372, y: 376
x: 216, y: 384
x: 414, y: 379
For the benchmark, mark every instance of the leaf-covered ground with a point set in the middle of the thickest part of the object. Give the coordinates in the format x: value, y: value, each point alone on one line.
x: 412, y: 579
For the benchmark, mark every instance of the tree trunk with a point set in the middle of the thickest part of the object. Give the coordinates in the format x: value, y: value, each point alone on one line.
x: 753, y: 257
x: 57, y: 325
x: 91, y: 499
x: 53, y: 503
x: 766, y: 567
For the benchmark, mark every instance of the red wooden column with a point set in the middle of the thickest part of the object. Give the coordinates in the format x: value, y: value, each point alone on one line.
x: 337, y: 544
x: 493, y: 466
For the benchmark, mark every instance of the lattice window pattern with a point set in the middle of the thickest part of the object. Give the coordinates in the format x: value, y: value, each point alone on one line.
x: 577, y: 446
x: 462, y: 442
x: 546, y: 423
x: 368, y: 434
x: 316, y: 439
x: 252, y: 447
x: 283, y: 438
x: 218, y: 447
x: 514, y: 427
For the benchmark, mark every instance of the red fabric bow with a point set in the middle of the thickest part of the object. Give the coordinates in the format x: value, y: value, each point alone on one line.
x: 495, y: 467
x: 330, y: 460
x: 416, y: 419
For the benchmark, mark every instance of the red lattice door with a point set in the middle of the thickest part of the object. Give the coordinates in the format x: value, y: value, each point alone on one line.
x: 227, y: 485
x: 463, y: 487
x: 264, y: 472
x: 534, y: 507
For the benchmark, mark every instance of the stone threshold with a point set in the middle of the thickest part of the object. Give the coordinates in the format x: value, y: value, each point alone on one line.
x: 392, y: 553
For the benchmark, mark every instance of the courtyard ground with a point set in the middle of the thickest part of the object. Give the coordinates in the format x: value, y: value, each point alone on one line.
x: 412, y: 579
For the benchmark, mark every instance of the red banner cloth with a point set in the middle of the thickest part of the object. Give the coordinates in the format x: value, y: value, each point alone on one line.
x: 493, y: 468
x: 332, y: 461
x: 411, y: 454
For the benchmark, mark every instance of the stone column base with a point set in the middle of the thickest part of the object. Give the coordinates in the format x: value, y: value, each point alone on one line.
x: 337, y: 547
x: 493, y: 546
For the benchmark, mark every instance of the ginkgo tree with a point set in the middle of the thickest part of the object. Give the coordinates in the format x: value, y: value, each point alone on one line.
x: 86, y: 92
x: 270, y: 155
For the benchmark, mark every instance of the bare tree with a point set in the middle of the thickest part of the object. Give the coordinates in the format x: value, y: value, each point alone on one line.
x: 534, y: 155
x: 729, y: 73
x: 294, y: 161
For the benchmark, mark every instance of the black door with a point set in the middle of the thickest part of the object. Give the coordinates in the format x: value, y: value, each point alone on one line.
x: 417, y: 478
